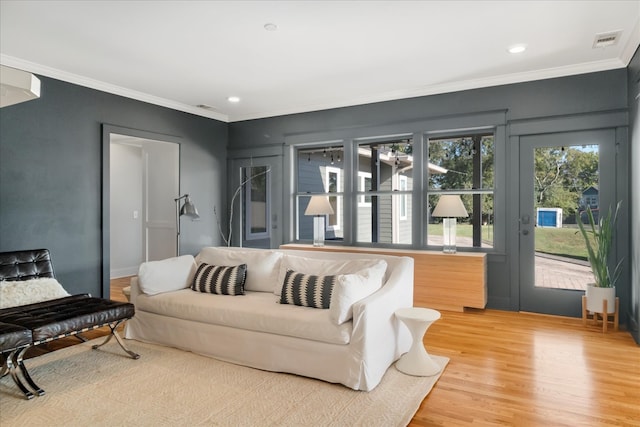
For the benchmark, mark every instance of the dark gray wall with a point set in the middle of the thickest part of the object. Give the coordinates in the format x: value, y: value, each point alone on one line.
x: 633, y: 73
x: 561, y: 104
x: 50, y: 174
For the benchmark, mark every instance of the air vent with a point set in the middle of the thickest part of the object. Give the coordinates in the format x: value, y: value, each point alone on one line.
x: 606, y: 39
x: 206, y: 107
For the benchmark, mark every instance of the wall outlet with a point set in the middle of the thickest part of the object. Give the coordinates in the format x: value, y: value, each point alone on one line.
x: 135, y: 214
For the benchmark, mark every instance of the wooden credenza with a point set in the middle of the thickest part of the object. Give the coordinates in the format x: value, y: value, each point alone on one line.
x: 441, y: 281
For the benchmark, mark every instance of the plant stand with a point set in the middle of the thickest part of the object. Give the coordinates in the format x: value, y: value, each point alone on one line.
x: 604, y: 314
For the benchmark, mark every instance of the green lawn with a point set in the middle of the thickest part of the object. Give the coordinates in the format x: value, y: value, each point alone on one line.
x: 565, y: 242
x: 561, y: 241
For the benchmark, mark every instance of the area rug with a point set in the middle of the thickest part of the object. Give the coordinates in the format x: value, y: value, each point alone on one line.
x: 170, y: 387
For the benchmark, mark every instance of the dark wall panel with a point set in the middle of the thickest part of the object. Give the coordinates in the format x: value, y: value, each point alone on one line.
x: 568, y: 98
x: 50, y: 173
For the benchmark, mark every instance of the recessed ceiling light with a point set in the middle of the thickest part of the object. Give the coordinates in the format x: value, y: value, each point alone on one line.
x: 233, y: 99
x: 517, y: 48
x: 270, y: 26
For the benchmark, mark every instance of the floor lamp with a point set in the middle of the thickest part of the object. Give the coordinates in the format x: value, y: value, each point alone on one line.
x: 319, y: 206
x: 187, y: 209
x: 449, y: 207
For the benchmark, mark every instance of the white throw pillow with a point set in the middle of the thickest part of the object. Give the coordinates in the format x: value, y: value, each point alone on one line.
x: 167, y: 275
x: 22, y: 292
x: 320, y: 266
x: 262, y: 264
x: 351, y: 288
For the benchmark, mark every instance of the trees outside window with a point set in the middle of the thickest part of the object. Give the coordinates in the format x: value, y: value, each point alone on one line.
x: 464, y: 165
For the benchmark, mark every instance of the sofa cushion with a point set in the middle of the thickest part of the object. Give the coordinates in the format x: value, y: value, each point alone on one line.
x: 167, y: 275
x: 256, y: 311
x: 263, y: 266
x: 351, y: 288
x: 22, y: 292
x: 307, y: 290
x: 320, y: 267
x: 221, y: 280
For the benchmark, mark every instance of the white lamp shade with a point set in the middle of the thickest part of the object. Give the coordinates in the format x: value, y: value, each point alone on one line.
x: 450, y: 206
x: 319, y: 205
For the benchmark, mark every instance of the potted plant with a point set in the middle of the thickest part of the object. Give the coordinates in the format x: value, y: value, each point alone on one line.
x: 598, y: 237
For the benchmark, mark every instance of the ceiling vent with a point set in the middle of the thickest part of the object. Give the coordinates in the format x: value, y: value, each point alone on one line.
x: 206, y: 107
x: 606, y: 39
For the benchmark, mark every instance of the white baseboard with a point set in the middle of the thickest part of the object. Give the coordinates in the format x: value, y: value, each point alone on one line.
x: 116, y: 273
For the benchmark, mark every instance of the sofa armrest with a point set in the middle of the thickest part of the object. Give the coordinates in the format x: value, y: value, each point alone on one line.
x: 134, y: 289
x: 376, y: 330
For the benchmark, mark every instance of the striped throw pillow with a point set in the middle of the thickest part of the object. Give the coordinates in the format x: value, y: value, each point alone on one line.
x: 222, y: 280
x: 307, y: 290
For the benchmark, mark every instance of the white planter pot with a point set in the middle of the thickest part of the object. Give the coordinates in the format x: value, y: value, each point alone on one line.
x: 596, y: 295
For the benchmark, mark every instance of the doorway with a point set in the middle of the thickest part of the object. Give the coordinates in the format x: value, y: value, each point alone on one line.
x: 139, y: 184
x: 561, y: 175
x: 256, y: 196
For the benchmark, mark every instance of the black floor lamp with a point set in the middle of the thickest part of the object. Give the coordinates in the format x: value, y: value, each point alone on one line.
x: 187, y: 209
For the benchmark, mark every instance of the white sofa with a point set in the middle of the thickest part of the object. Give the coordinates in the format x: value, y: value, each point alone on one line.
x: 353, y: 347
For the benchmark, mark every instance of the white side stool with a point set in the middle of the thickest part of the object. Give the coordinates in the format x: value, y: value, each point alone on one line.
x: 417, y: 361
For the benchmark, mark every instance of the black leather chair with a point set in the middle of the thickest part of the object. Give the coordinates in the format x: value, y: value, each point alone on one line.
x: 24, y: 326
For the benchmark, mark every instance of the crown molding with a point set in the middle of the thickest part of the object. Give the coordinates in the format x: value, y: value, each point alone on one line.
x: 54, y: 73
x: 632, y: 44
x: 437, y: 89
x: 548, y: 73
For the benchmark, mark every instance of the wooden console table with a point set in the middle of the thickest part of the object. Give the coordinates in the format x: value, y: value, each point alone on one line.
x: 441, y: 281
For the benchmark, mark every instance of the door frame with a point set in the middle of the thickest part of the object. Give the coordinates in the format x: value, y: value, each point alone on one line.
x: 105, y: 186
x: 616, y: 119
x: 268, y: 156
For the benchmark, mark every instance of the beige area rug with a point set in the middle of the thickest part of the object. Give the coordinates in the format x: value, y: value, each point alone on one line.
x: 169, y: 387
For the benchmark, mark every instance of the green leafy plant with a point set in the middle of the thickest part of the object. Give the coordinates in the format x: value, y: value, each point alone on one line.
x: 598, y: 237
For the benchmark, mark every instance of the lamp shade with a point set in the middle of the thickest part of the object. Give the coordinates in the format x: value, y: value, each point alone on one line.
x: 450, y: 206
x: 189, y: 209
x: 319, y: 205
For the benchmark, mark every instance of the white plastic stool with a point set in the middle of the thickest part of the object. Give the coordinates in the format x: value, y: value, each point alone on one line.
x: 417, y: 361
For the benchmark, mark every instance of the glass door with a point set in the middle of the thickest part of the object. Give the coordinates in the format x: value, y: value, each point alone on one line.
x: 256, y: 187
x: 560, y: 176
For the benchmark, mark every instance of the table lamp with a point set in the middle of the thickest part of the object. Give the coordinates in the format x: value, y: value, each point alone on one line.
x: 449, y: 207
x: 319, y: 206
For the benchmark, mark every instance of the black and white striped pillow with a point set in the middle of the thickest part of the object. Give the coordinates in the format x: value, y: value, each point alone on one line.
x: 307, y: 290
x: 222, y: 280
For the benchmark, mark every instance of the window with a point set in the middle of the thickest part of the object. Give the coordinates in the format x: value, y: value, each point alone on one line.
x: 320, y: 170
x: 402, y: 184
x: 364, y: 186
x: 334, y: 185
x: 385, y: 175
x: 462, y: 165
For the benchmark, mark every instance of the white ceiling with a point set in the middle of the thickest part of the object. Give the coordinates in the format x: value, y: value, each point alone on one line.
x: 324, y: 54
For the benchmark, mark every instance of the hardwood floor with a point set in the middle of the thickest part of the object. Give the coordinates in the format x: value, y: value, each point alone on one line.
x: 117, y: 285
x: 521, y: 369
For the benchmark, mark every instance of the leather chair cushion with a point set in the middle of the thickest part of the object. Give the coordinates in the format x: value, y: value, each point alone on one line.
x: 25, y: 265
x: 13, y: 336
x: 62, y: 316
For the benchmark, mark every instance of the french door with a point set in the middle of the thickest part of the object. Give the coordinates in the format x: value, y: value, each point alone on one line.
x: 561, y: 175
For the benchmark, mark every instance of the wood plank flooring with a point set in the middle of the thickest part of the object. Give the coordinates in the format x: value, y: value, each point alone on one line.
x: 521, y: 369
